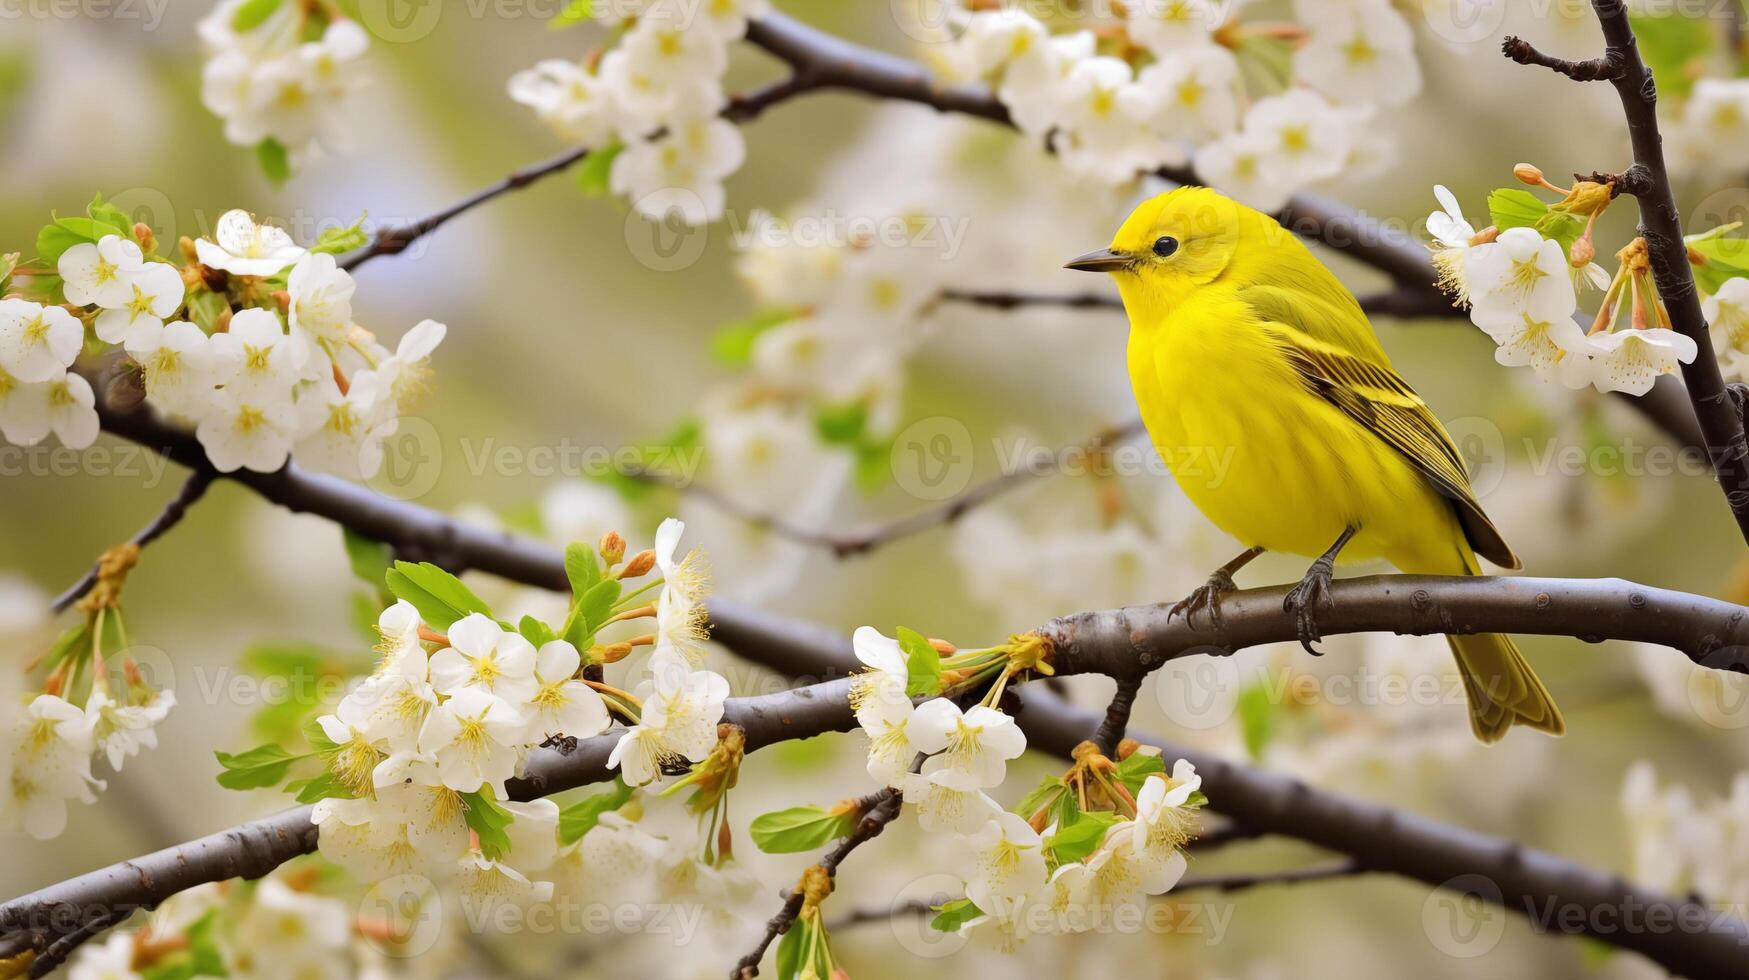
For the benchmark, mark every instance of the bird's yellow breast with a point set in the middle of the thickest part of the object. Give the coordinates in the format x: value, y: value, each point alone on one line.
x: 1261, y: 455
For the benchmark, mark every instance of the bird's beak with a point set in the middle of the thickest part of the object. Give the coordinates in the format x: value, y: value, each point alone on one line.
x: 1099, y: 260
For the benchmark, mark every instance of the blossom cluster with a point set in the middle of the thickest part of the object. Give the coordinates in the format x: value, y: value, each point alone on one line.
x: 652, y: 104
x: 1053, y: 866
x: 1680, y: 845
x: 1520, y: 280
x: 280, y: 73
x: 1177, y: 85
x: 417, y: 756
x: 250, y: 341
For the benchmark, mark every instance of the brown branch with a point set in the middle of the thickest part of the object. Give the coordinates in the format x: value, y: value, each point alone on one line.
x: 192, y: 490
x: 1117, y: 716
x: 1661, y: 226
x: 881, y: 810
x: 1241, y: 881
x: 846, y: 544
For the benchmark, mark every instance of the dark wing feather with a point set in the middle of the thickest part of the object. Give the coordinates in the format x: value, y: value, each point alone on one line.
x: 1373, y: 395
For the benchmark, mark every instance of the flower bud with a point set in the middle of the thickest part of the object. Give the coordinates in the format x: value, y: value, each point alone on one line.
x: 185, y: 245
x: 611, y: 653
x: 640, y: 564
x: 1582, y: 253
x: 1529, y: 173
x: 1127, y: 748
x: 943, y: 647
x: 143, y: 235
x: 613, y: 547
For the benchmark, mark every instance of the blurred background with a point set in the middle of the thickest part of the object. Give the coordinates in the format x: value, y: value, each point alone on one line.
x: 575, y: 325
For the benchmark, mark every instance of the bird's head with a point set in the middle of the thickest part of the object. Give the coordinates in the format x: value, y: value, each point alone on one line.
x: 1172, y: 244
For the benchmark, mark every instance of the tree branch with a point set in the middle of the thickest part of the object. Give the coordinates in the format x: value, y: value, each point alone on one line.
x: 1661, y: 226
x: 192, y: 490
x: 1241, y: 881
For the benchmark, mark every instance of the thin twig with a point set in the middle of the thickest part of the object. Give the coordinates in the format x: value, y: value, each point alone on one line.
x: 1117, y: 716
x: 1237, y: 882
x: 1661, y: 226
x: 192, y: 490
x: 877, y: 815
x: 845, y: 544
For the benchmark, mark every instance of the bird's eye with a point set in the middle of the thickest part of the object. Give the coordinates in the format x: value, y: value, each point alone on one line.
x: 1165, y: 245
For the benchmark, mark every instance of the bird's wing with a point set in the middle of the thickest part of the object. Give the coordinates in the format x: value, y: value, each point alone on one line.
x: 1373, y: 395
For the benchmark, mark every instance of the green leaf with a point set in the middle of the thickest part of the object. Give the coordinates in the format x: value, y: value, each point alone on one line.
x: 200, y: 957
x: 842, y: 425
x: 591, y: 612
x: 318, y: 738
x: 1066, y: 812
x: 790, y: 952
x: 800, y: 828
x: 1135, y: 770
x: 593, y: 177
x: 1671, y: 44
x: 205, y: 307
x: 334, y: 241
x: 487, y: 819
x: 733, y: 343
x: 252, y: 14
x: 262, y: 766
x: 8, y: 263
x: 582, y: 568
x: 575, y: 12
x: 1515, y: 207
x: 922, y: 664
x: 274, y: 159
x: 108, y: 214
x: 440, y: 597
x: 370, y: 559
x: 1256, y: 718
x: 1196, y: 798
x: 321, y: 786
x: 1561, y: 226
x: 953, y: 916
x: 1081, y: 838
x: 582, y: 816
x: 1043, y: 795
x: 66, y: 643
x: 536, y: 632
x: 1726, y: 259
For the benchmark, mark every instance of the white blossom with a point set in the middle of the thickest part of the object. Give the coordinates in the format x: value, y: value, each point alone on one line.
x: 255, y: 356
x: 247, y: 429
x: 575, y: 103
x: 475, y: 738
x: 50, y: 764
x: 561, y: 704
x: 971, y: 749
x: 180, y: 368
x: 243, y: 247
x: 1631, y: 360
x: 120, y: 729
x: 678, y: 721
x: 100, y: 273
x: 681, y: 171
x: 342, y: 433
x: 484, y: 656
x: 37, y: 343
x: 157, y: 292
x: 1359, y: 53
x: 1009, y: 862
x: 64, y: 406
x: 1167, y: 27
x: 1520, y: 273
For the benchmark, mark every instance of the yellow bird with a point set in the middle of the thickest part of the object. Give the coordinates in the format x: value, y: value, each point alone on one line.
x: 1267, y: 394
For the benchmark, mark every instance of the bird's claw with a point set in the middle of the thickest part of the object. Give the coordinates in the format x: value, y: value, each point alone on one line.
x: 1205, y: 597
x: 1304, y: 599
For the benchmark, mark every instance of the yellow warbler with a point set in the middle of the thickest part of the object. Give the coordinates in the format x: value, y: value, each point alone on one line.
x: 1265, y: 390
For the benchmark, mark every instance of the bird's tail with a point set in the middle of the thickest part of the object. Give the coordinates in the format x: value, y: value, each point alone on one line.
x: 1503, y: 690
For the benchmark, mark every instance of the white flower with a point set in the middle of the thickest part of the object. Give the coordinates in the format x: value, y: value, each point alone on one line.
x: 995, y: 38
x: 534, y: 835
x: 682, y: 171
x: 244, y: 248
x: 64, y: 406
x: 180, y: 369
x: 403, y: 373
x: 1105, y: 121
x: 157, y: 292
x: 945, y: 805
x: 729, y: 17
x: 1010, y: 862
x: 37, y: 343
x: 100, y: 273
x: 574, y: 102
x: 1031, y: 85
x: 1360, y: 53
x: 678, y: 721
x: 971, y: 748
x: 1717, y: 115
x: 485, y: 657
x: 1451, y: 232
x: 1305, y: 140
x: 255, y: 356
x: 1631, y: 360
x: 289, y: 933
x: 342, y: 434
x: 1236, y: 165
x: 1728, y: 312
x: 1557, y: 350
x: 886, y: 678
x: 1163, y: 825
x: 1195, y: 91
x: 1166, y: 27
x: 120, y: 730
x: 248, y: 429
x: 663, y: 46
x: 321, y: 300
x: 1520, y: 273
x: 368, y: 838
x: 486, y: 885
x: 680, y: 610
x: 562, y: 704
x: 475, y: 738
x: 51, y: 763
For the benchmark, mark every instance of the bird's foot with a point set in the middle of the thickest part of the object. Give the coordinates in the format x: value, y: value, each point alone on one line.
x: 1304, y: 599
x: 1205, y: 597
